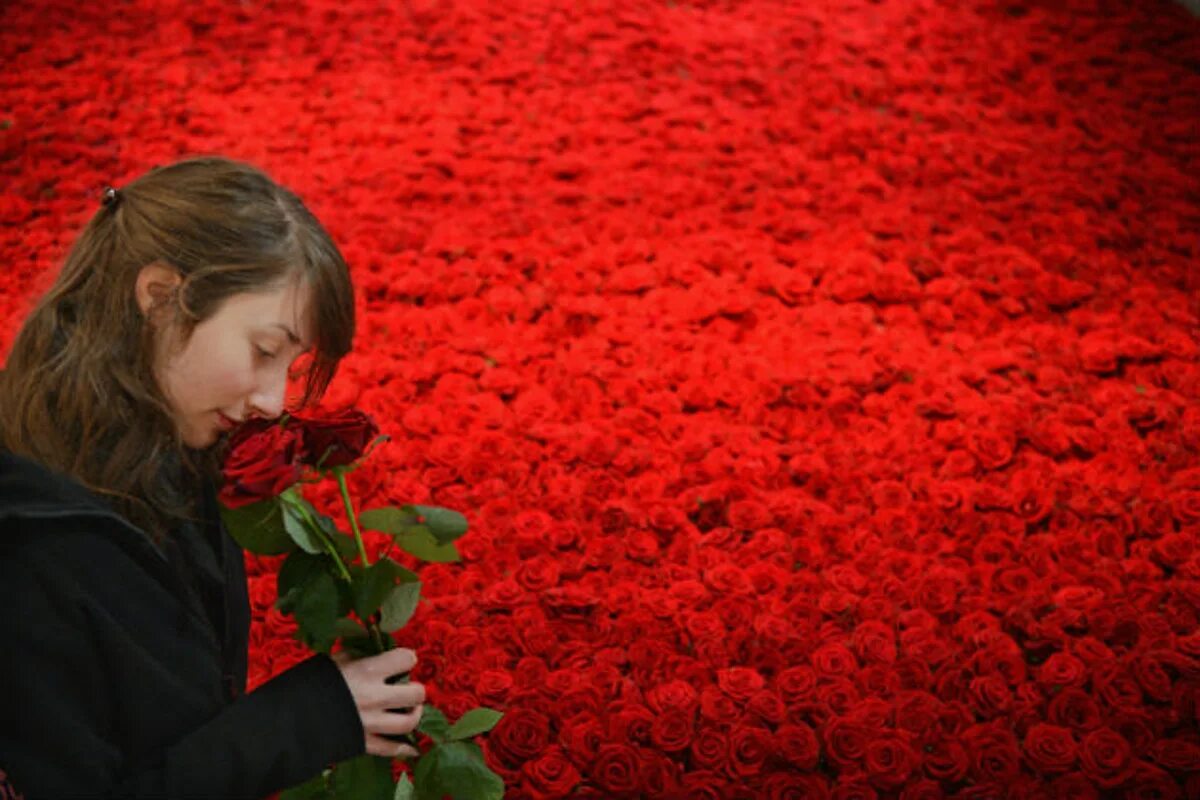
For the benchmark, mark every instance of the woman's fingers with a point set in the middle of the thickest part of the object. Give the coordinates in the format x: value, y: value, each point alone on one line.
x: 394, y: 662
x: 392, y: 722
x: 379, y: 746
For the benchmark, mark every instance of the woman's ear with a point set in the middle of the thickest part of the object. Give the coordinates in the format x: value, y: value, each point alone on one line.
x: 155, y: 286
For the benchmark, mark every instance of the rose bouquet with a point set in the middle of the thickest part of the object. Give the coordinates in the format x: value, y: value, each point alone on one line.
x: 338, y: 596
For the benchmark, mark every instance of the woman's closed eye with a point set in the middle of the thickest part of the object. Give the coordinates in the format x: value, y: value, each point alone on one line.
x: 264, y: 353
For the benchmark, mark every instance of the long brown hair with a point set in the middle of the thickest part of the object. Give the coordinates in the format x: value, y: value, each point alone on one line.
x: 79, y: 392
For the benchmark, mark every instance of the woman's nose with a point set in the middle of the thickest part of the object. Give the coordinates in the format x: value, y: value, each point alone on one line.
x: 267, y: 400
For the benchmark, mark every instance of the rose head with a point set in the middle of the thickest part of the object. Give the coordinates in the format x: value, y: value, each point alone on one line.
x: 263, y: 461
x: 335, y: 439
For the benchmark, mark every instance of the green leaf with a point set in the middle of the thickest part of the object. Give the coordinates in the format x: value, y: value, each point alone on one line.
x: 315, y: 789
x: 399, y: 606
x: 433, y: 724
x: 359, y: 646
x: 298, y: 529
x: 389, y: 519
x: 420, y: 542
x: 404, y: 789
x: 346, y: 628
x: 474, y: 722
x: 456, y: 769
x: 444, y: 524
x: 363, y: 778
x: 373, y: 585
x: 258, y: 527
x: 298, y: 570
x: 316, y: 612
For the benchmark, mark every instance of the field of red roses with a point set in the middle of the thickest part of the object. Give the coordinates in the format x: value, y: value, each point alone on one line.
x: 821, y: 380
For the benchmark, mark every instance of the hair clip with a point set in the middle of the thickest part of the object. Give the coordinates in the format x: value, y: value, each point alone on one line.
x: 110, y: 196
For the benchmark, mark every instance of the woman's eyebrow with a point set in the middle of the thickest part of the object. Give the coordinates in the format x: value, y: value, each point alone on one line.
x: 291, y: 335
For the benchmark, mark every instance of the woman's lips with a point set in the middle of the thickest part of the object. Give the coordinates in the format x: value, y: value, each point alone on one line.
x: 225, y: 422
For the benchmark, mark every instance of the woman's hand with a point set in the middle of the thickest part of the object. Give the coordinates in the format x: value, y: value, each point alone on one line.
x: 386, y: 709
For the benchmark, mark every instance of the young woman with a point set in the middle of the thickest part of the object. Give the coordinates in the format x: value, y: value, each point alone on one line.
x: 124, y: 617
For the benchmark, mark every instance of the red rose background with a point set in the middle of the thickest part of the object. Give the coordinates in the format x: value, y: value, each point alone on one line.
x: 821, y: 380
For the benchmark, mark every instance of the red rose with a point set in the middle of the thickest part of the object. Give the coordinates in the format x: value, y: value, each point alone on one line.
x: 799, y: 745
x: 740, y: 683
x: 1075, y: 709
x: 947, y: 760
x: 630, y: 723
x: 551, y: 774
x: 889, y: 761
x: 709, y: 748
x: 335, y: 439
x: 263, y: 461
x: 1106, y: 758
x: 671, y: 730
x: 1148, y: 782
x: 716, y: 705
x: 993, y: 448
x: 845, y: 742
x: 768, y: 705
x: 779, y: 786
x: 874, y: 642
x: 520, y: 736
x: 1177, y: 755
x: 834, y: 659
x: 1062, y: 669
x: 1074, y: 786
x: 582, y: 736
x: 616, y: 768
x: 674, y: 695
x: 704, y: 785
x: 1049, y: 748
x: 492, y: 686
x: 658, y: 775
x: 749, y: 748
x: 990, y: 696
x: 796, y: 684
x: 995, y: 756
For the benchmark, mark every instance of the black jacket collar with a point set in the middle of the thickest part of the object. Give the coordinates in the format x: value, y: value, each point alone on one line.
x: 30, y: 489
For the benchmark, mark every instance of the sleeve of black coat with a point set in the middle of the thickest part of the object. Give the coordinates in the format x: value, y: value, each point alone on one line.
x: 53, y: 740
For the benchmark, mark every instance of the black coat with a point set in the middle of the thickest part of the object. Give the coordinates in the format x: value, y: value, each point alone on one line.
x: 123, y: 664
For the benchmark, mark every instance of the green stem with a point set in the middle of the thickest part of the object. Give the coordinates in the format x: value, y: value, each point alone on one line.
x: 329, y: 545
x: 362, y: 550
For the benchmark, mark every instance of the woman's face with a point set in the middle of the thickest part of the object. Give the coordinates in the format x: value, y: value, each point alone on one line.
x: 235, y: 364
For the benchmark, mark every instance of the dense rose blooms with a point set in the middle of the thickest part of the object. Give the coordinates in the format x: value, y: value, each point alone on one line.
x: 1176, y: 755
x: 616, y: 768
x: 749, y: 748
x: 888, y: 761
x: 780, y: 786
x: 1075, y: 709
x: 263, y: 460
x: 673, y: 695
x: 1049, y: 748
x: 816, y: 418
x: 522, y: 734
x: 704, y: 785
x: 671, y: 730
x: 551, y: 774
x: 716, y: 705
x: 1106, y: 758
x: 582, y: 736
x: 740, y: 683
x: 709, y: 748
x: 799, y: 745
x: 845, y: 742
x: 994, y: 753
